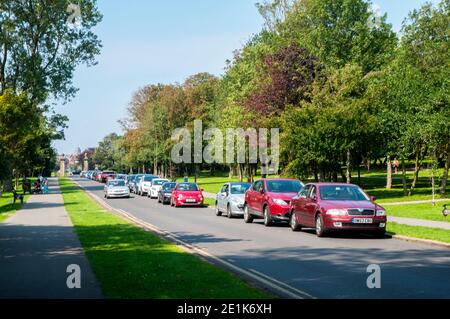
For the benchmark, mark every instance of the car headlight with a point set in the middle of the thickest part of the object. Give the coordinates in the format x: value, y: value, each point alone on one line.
x: 381, y: 212
x: 279, y: 201
x: 337, y: 212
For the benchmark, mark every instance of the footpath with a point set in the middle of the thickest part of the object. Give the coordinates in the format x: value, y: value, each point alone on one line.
x: 37, y: 246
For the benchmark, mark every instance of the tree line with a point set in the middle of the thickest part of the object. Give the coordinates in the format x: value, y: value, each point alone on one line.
x: 341, y: 85
x: 39, y: 51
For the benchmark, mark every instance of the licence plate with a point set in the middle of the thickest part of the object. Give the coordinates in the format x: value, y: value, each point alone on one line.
x: 190, y: 200
x: 362, y: 221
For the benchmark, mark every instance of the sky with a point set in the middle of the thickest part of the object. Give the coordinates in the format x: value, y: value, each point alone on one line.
x: 163, y: 41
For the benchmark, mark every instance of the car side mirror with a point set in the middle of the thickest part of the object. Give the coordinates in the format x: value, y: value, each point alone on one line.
x: 261, y: 190
x: 202, y: 190
x: 373, y: 198
x: 314, y: 198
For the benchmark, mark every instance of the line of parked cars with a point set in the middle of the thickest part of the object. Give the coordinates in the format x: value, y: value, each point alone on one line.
x: 154, y: 187
x: 325, y: 207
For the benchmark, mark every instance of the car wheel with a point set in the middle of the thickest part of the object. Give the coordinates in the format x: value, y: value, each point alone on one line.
x: 218, y: 212
x: 293, y: 223
x: 267, y: 218
x: 320, y: 230
x: 229, y: 214
x: 159, y: 200
x: 248, y: 219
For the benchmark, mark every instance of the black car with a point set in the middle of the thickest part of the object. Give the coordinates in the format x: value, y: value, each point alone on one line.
x: 165, y: 193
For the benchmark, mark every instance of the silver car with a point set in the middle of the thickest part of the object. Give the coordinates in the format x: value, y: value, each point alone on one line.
x: 230, y: 199
x: 116, y: 189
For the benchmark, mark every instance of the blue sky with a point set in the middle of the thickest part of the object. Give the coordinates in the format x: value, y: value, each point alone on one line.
x: 163, y: 41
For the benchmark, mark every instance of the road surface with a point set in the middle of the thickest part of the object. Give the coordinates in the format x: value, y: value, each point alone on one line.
x: 301, y: 263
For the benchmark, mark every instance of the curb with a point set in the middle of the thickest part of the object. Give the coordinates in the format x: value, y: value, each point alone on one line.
x: 422, y: 241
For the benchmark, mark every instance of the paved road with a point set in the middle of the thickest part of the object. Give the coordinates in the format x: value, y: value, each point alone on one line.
x: 37, y: 245
x: 323, y: 268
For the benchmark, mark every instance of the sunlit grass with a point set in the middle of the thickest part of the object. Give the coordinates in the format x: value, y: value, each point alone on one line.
x: 419, y: 211
x: 436, y: 234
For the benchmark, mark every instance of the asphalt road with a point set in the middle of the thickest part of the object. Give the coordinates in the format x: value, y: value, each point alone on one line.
x: 334, y: 267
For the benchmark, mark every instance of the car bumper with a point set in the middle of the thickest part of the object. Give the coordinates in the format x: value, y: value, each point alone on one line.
x: 280, y: 213
x: 185, y: 203
x: 348, y: 223
x: 237, y: 209
x: 118, y: 195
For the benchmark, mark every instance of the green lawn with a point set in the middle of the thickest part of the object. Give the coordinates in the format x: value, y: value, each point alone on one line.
x: 437, y: 234
x: 420, y: 211
x: 5, y: 206
x: 132, y: 263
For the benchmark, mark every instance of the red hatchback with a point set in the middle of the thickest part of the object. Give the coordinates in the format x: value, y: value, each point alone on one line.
x: 270, y: 199
x: 187, y: 194
x: 334, y: 207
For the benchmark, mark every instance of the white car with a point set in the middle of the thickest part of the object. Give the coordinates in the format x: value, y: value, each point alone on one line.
x: 144, y: 184
x: 156, y: 186
x: 116, y: 189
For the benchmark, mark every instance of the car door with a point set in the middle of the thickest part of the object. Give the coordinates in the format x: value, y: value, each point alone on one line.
x: 259, y: 197
x: 222, y: 197
x: 251, y: 195
x: 310, y: 206
x: 300, y: 204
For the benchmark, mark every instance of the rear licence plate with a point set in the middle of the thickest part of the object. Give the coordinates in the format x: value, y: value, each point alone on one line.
x: 362, y: 221
x: 190, y: 200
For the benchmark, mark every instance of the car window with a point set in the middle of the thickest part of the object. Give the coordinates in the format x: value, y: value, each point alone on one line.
x: 342, y: 193
x: 240, y: 188
x: 159, y: 182
x: 224, y: 189
x: 167, y: 186
x: 284, y: 186
x: 117, y: 183
x: 257, y: 186
x: 304, y: 192
x: 185, y: 187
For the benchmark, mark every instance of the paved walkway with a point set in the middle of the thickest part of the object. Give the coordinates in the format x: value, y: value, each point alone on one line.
x: 37, y: 245
x: 419, y: 222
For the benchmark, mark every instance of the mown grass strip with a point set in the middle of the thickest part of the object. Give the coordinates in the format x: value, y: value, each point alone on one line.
x: 419, y: 211
x: 132, y: 263
x: 6, y: 209
x: 442, y: 235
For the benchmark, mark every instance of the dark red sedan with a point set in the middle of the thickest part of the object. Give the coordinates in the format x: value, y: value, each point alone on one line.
x: 187, y: 194
x: 337, y: 207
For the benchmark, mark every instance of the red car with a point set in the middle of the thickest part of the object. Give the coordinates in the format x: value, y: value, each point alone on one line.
x: 105, y: 175
x: 187, y: 194
x: 270, y: 199
x: 333, y: 207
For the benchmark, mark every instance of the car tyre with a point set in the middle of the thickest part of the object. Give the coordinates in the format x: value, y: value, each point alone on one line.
x: 293, y: 223
x: 218, y: 212
x: 267, y: 217
x: 320, y: 230
x: 248, y: 218
x: 229, y: 214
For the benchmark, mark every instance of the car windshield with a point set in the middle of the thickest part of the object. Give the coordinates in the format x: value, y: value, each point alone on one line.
x: 148, y: 178
x: 117, y: 183
x: 159, y: 182
x: 286, y: 186
x: 168, y: 186
x: 342, y: 193
x: 188, y: 187
x: 240, y: 188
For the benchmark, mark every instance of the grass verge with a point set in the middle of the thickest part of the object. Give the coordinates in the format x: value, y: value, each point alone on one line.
x: 6, y: 209
x: 132, y: 263
x: 419, y: 211
x: 442, y: 235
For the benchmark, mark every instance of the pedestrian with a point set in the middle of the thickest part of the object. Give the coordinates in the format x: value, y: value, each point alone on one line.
x: 45, y: 186
x: 396, y: 165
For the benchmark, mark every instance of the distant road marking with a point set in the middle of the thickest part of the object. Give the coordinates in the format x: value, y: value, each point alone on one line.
x: 283, y: 289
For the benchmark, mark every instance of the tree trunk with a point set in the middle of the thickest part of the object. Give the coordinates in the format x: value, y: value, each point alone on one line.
x: 348, y: 174
x: 417, y: 165
x: 389, y: 173
x: 443, y: 190
x: 405, y: 184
